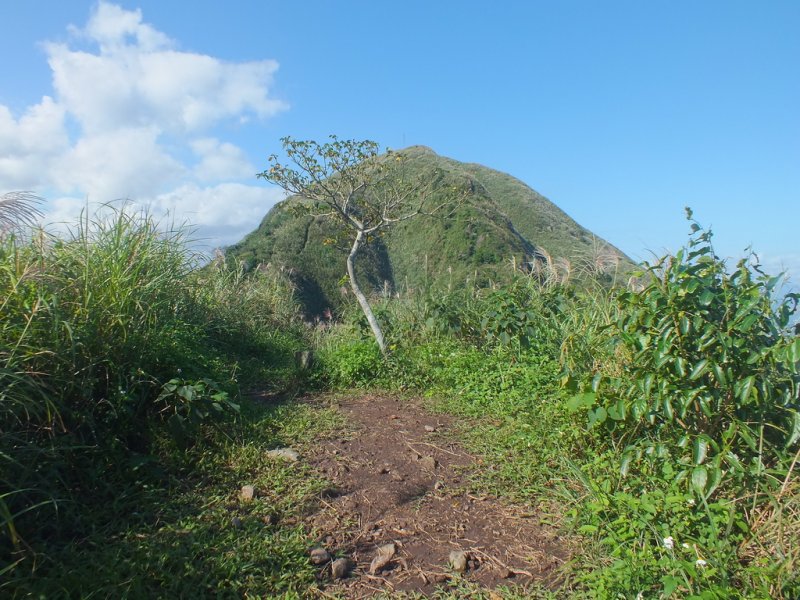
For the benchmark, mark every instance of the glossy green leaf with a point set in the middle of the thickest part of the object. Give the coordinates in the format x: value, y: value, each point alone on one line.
x: 746, y: 388
x: 617, y: 410
x: 706, y: 298
x: 699, y: 450
x: 700, y: 479
x: 794, y: 429
x: 699, y: 368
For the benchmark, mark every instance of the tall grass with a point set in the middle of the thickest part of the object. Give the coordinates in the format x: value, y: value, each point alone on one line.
x: 104, y: 332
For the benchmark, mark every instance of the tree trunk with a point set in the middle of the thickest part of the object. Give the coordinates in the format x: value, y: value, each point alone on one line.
x: 362, y: 299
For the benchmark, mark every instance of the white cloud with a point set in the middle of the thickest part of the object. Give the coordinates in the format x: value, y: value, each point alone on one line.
x: 112, y: 26
x: 138, y: 79
x: 30, y: 145
x: 141, y: 111
x: 223, y: 214
x: 220, y: 160
x: 124, y: 162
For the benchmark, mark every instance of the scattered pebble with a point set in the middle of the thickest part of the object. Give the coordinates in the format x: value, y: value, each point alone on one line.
x: 320, y: 556
x: 428, y: 462
x: 341, y: 567
x: 382, y: 558
x: 285, y: 454
x: 247, y: 493
x: 458, y: 560
x: 430, y: 428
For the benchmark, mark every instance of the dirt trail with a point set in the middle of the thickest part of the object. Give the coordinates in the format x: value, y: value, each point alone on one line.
x: 398, y: 477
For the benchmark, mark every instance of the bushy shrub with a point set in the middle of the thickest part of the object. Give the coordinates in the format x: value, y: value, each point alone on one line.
x: 700, y: 429
x: 352, y: 363
x: 713, y: 367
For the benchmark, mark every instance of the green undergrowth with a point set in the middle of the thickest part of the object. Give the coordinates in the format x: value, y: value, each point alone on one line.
x: 658, y: 425
x: 124, y: 434
x: 190, y: 534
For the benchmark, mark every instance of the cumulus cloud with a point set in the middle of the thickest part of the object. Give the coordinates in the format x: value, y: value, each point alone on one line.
x: 140, y: 111
x: 220, y: 214
x: 220, y: 160
x: 30, y: 145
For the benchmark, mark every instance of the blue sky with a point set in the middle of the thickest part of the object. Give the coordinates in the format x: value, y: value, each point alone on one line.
x: 621, y: 113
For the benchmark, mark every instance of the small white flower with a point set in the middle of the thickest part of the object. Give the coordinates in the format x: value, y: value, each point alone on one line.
x: 669, y: 543
x: 700, y: 562
x: 685, y: 545
x: 690, y: 502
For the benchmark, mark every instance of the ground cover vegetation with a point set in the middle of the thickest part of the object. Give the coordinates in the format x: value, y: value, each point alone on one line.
x: 663, y: 416
x: 655, y: 424
x: 124, y: 437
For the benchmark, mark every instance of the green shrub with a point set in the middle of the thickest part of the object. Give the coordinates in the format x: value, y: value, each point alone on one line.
x: 357, y: 363
x: 713, y: 369
x: 698, y: 419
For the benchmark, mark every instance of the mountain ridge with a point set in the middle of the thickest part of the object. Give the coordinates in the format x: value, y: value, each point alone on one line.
x: 502, y: 224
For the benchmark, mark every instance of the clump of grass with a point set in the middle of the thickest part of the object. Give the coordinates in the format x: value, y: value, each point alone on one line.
x: 105, y: 332
x: 18, y: 212
x: 193, y: 534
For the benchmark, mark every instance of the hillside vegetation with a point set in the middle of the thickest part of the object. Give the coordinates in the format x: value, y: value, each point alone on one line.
x: 500, y: 226
x: 656, y: 427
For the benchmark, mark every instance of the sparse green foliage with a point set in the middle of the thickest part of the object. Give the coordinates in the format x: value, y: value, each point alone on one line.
x: 344, y: 180
x: 186, y: 405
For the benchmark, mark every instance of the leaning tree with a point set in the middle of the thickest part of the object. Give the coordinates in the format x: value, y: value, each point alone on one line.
x: 365, y: 192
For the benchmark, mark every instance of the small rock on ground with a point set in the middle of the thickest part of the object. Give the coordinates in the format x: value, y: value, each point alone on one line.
x: 247, y: 493
x: 341, y: 567
x: 319, y: 556
x: 285, y: 454
x: 458, y: 560
x: 382, y: 558
x: 428, y: 462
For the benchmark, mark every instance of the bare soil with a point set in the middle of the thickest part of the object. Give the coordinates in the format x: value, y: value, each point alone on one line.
x: 399, y: 476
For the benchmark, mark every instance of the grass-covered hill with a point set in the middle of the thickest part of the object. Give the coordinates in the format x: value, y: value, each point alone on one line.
x: 501, y: 224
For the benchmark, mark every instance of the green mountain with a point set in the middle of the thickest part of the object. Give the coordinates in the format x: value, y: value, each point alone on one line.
x: 502, y: 225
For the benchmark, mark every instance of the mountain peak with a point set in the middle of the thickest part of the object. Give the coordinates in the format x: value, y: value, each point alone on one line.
x: 502, y: 225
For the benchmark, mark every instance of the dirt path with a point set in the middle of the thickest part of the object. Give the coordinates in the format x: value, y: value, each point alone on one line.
x: 399, y: 478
